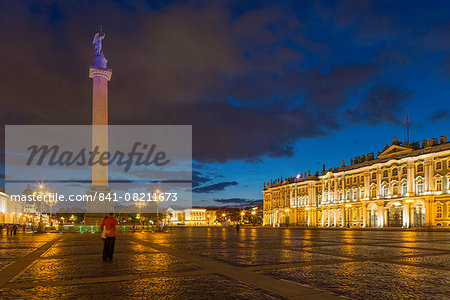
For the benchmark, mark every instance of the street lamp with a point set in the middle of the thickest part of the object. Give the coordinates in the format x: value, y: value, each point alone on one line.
x: 157, y: 204
x: 51, y: 201
x: 140, y: 205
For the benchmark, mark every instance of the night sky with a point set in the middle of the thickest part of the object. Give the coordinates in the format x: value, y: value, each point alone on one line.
x: 271, y: 88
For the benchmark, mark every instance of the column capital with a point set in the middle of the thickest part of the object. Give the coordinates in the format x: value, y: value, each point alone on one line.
x: 96, y: 71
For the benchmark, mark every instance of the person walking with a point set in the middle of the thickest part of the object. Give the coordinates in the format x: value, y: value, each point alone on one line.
x: 15, y: 229
x: 7, y: 229
x: 108, y: 247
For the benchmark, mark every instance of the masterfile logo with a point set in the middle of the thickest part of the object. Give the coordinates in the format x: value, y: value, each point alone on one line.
x: 121, y: 164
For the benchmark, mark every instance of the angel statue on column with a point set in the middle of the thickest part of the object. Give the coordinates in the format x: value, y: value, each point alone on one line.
x: 98, y: 37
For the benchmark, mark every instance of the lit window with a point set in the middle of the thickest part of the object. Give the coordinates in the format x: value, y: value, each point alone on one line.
x: 419, y: 186
x: 438, y: 185
x: 374, y: 176
x: 439, y: 211
x: 385, y: 191
x: 361, y: 193
x: 420, y: 168
x: 373, y: 192
x: 404, y: 188
x: 395, y: 189
x: 394, y: 172
x: 355, y: 195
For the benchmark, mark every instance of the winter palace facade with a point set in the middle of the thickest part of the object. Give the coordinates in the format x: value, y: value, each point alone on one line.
x: 406, y: 185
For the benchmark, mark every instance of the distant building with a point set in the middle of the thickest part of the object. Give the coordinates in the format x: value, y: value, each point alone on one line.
x: 406, y: 185
x: 211, y: 217
x: 189, y: 217
x: 10, y: 211
x: 29, y: 207
x: 174, y: 217
x: 195, y: 216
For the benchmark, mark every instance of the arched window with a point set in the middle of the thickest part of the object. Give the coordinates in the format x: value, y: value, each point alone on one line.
x: 420, y: 168
x: 438, y: 210
x: 419, y: 186
x: 404, y: 188
x: 347, y: 195
x: 438, y: 185
x: 374, y: 176
x: 355, y: 194
x: 385, y: 173
x: 394, y: 189
x: 395, y: 172
x: 385, y: 190
x: 361, y: 192
x: 404, y: 170
x: 438, y: 165
x: 373, y: 192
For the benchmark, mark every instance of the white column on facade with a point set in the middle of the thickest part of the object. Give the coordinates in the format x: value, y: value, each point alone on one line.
x: 411, y: 178
x: 426, y: 172
x: 405, y: 217
x: 380, y: 218
x: 336, y: 185
x: 379, y: 188
x: 364, y: 215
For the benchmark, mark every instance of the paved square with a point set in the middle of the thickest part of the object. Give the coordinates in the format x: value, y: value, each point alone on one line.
x: 254, y: 263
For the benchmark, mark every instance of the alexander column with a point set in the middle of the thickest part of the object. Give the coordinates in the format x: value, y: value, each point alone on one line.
x: 100, y: 75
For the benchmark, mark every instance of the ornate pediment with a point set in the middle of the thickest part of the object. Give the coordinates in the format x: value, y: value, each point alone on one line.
x: 394, y: 150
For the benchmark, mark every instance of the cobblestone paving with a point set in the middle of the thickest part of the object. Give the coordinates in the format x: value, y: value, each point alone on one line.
x: 319, y: 263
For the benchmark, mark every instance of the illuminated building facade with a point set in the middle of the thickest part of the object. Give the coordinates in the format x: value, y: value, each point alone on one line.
x: 11, y: 212
x: 189, y: 217
x: 406, y: 185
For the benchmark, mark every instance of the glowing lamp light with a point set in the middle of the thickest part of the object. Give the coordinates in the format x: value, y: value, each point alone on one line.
x: 253, y: 212
x: 409, y: 201
x: 348, y: 205
x: 242, y: 213
x: 298, y: 176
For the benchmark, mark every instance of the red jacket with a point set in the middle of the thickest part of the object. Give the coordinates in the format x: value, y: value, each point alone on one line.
x: 110, y: 224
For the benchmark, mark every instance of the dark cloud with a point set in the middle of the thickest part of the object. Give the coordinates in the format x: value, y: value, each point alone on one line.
x: 216, y: 187
x: 381, y: 104
x: 198, y: 179
x: 440, y: 115
x: 241, y: 202
x: 251, y: 80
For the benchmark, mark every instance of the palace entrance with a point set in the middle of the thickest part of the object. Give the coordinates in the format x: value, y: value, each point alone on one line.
x: 395, y: 215
x: 373, y: 218
x: 419, y: 215
x: 372, y: 215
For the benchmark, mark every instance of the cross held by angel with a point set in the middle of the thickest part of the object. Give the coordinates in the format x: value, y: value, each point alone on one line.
x: 97, y: 42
